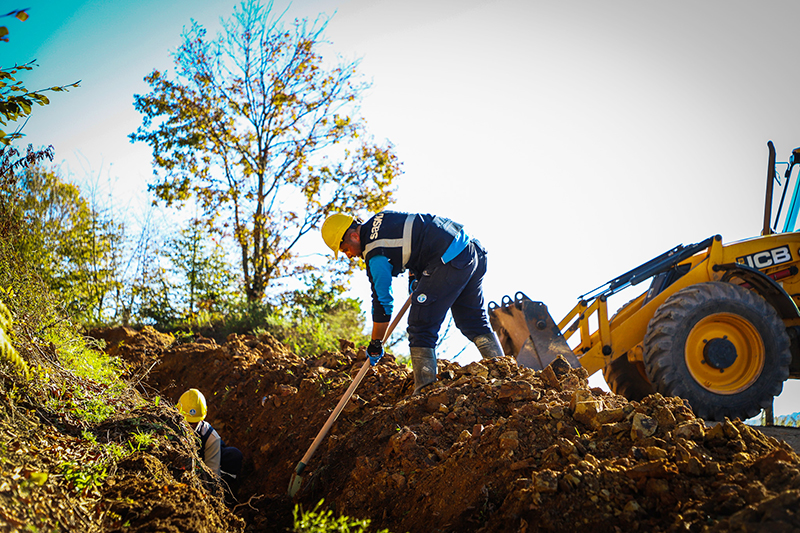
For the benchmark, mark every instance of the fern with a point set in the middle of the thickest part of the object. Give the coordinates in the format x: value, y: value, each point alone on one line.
x: 7, y: 352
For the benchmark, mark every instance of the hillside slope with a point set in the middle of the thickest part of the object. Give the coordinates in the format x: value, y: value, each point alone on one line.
x: 492, y: 447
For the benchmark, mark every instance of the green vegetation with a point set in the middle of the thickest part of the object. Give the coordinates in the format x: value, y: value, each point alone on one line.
x: 141, y: 440
x: 317, y: 521
x: 206, y: 283
x: 7, y: 351
x: 75, y: 252
x: 76, y: 249
x: 256, y: 187
x: 84, y: 478
x: 313, y: 320
x: 16, y: 101
x: 67, y: 374
x: 68, y: 263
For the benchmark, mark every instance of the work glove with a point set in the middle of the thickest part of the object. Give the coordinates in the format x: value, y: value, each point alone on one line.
x: 375, y: 351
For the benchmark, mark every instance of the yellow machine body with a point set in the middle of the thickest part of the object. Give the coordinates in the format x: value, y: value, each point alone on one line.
x: 719, y: 324
x: 780, y: 253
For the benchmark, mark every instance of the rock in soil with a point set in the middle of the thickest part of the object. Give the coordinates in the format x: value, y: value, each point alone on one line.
x: 490, y: 447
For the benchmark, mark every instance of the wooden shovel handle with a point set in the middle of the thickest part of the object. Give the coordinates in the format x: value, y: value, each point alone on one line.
x: 349, y: 392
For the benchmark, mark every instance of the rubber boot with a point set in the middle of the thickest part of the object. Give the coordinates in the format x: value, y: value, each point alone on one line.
x: 488, y: 345
x: 423, y: 364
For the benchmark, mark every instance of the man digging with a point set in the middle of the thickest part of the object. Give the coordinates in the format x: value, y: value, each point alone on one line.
x: 447, y: 268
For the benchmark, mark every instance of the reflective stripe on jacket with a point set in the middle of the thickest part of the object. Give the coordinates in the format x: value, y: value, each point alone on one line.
x: 210, y: 447
x: 409, y: 241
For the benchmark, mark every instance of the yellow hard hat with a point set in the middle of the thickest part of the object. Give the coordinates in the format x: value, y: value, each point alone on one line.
x: 192, y: 405
x: 333, y: 230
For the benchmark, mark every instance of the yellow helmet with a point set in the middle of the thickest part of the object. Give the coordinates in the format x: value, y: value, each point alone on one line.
x: 333, y: 230
x: 192, y: 405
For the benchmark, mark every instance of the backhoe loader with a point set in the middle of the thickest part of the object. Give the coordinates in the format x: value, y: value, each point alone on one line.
x: 718, y: 326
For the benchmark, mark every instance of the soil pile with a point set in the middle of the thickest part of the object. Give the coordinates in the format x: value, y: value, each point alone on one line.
x: 55, y: 477
x: 491, y: 447
x: 160, y: 491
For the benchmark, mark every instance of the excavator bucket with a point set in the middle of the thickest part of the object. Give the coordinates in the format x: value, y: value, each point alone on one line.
x: 528, y: 332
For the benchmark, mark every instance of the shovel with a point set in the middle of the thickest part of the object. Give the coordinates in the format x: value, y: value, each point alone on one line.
x: 297, y: 480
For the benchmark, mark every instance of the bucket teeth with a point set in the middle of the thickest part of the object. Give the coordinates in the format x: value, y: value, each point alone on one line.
x: 528, y: 332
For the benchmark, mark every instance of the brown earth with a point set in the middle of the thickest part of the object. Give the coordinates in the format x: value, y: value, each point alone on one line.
x: 790, y: 435
x: 491, y: 447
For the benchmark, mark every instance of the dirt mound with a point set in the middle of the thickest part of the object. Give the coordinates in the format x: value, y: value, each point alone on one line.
x: 165, y: 489
x: 134, y: 346
x: 53, y: 475
x: 491, y: 447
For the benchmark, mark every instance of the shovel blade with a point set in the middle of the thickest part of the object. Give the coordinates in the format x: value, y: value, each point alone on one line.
x: 294, y: 484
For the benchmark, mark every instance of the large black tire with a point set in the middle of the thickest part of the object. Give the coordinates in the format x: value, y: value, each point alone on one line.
x: 627, y: 379
x: 719, y: 346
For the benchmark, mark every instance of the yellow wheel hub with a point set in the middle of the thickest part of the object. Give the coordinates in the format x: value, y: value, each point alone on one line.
x: 724, y: 353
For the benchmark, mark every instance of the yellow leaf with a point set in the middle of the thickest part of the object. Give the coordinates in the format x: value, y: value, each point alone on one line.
x: 22, y: 15
x: 40, y: 478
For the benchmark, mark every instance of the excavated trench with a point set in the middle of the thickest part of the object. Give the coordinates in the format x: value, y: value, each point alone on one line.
x: 492, y: 447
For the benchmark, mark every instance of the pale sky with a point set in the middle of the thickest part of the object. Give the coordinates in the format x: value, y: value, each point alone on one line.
x: 575, y: 139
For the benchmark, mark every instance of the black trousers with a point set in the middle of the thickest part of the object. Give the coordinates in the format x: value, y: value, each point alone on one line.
x: 456, y: 286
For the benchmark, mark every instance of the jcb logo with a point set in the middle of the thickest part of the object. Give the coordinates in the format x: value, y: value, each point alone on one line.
x: 767, y: 258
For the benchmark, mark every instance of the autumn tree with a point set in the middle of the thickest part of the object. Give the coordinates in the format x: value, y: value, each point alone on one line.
x: 69, y: 241
x: 265, y: 135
